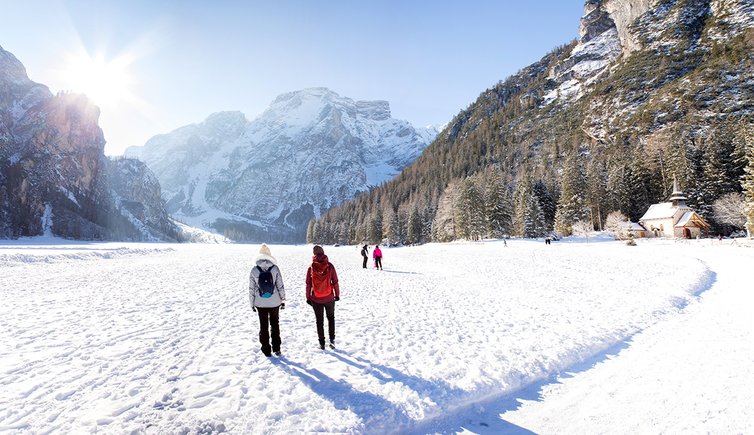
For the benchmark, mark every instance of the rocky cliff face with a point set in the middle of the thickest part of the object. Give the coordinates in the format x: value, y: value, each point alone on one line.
x: 54, y: 176
x: 265, y: 179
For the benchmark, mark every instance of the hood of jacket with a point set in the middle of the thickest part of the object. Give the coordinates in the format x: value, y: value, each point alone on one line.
x: 320, y: 258
x: 265, y: 261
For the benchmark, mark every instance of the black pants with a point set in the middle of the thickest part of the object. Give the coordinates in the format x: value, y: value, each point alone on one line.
x: 319, y: 311
x: 365, y: 261
x: 378, y: 262
x: 269, y: 317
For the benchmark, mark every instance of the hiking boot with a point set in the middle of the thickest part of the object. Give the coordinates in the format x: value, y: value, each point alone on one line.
x: 322, y: 346
x: 277, y: 353
x: 332, y: 344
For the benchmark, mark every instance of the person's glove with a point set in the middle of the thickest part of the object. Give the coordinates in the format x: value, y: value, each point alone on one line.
x: 254, y: 309
x: 308, y: 301
x: 282, y: 306
x: 337, y: 298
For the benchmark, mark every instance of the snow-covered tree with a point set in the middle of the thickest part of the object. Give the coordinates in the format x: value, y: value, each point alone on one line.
x: 582, y: 228
x: 747, y: 183
x: 572, y: 206
x: 730, y: 209
x: 469, y: 211
x: 443, y: 226
x: 311, y: 235
x: 529, y: 218
x: 546, y: 202
x: 499, y: 206
x: 427, y: 216
x: 616, y: 222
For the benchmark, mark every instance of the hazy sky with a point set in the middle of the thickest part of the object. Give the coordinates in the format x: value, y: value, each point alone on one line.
x: 165, y: 64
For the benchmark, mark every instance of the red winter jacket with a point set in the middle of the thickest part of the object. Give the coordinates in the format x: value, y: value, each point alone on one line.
x: 377, y: 253
x: 321, y: 264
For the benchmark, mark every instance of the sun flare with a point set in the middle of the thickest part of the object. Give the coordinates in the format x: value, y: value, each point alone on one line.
x: 105, y: 82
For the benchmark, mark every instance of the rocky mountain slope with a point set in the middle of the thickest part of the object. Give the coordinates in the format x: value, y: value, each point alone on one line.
x: 54, y: 176
x: 266, y: 179
x: 651, y: 89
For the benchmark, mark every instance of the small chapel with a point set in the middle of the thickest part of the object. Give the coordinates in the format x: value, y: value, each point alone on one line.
x: 674, y: 218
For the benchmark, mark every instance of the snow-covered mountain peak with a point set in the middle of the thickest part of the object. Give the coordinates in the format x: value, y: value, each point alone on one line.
x: 232, y: 119
x: 310, y: 150
x: 313, y: 104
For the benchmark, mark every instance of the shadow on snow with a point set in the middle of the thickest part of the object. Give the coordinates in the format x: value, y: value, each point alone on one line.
x: 378, y: 414
x: 477, y: 415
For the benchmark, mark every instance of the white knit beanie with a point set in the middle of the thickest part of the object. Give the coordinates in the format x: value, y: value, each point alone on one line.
x: 264, y: 250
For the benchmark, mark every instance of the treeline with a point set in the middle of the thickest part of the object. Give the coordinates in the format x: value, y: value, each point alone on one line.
x: 485, y: 205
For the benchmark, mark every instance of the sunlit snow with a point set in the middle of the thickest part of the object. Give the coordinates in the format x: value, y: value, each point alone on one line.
x: 475, y: 337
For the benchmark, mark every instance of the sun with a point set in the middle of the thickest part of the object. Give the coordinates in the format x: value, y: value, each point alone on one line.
x: 106, y: 82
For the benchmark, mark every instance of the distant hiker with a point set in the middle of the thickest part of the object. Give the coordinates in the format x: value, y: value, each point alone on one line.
x: 547, y: 240
x: 365, y: 254
x: 267, y: 295
x: 322, y: 291
x: 377, y: 254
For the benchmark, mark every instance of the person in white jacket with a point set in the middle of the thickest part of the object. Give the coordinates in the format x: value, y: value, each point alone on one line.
x: 267, y: 296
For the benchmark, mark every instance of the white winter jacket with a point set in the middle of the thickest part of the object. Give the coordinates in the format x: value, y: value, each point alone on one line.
x: 278, y: 295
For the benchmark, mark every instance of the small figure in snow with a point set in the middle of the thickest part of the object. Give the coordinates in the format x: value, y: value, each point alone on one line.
x: 365, y: 254
x: 377, y: 254
x: 322, y: 291
x: 547, y: 240
x: 267, y: 296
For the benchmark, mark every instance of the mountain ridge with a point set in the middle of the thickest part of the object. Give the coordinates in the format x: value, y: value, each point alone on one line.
x: 264, y: 179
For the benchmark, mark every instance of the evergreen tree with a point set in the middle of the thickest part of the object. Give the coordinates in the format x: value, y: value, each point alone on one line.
x: 414, y: 227
x: 596, y: 177
x: 747, y: 183
x: 310, y: 236
x: 375, y: 228
x: 427, y: 217
x: 443, y: 226
x: 639, y: 184
x: 521, y: 198
x: 400, y: 226
x: 529, y: 218
x: 534, y: 224
x: 469, y: 211
x: 499, y: 206
x: 390, y: 225
x: 722, y: 168
x: 546, y: 203
x: 572, y: 205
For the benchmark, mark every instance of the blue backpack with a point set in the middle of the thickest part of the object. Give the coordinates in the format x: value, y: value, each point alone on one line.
x: 265, y: 281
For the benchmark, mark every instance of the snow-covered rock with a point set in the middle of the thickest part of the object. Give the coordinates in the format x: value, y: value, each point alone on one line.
x: 614, y: 29
x: 265, y: 179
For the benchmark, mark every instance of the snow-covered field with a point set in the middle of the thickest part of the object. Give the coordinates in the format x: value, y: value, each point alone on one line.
x: 478, y: 337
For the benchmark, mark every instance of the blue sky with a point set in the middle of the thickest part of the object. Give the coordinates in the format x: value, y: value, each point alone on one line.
x: 188, y: 59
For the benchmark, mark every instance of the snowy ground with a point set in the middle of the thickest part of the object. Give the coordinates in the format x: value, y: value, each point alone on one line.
x: 474, y: 337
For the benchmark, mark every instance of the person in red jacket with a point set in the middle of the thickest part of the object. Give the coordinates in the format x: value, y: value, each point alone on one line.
x: 322, y: 291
